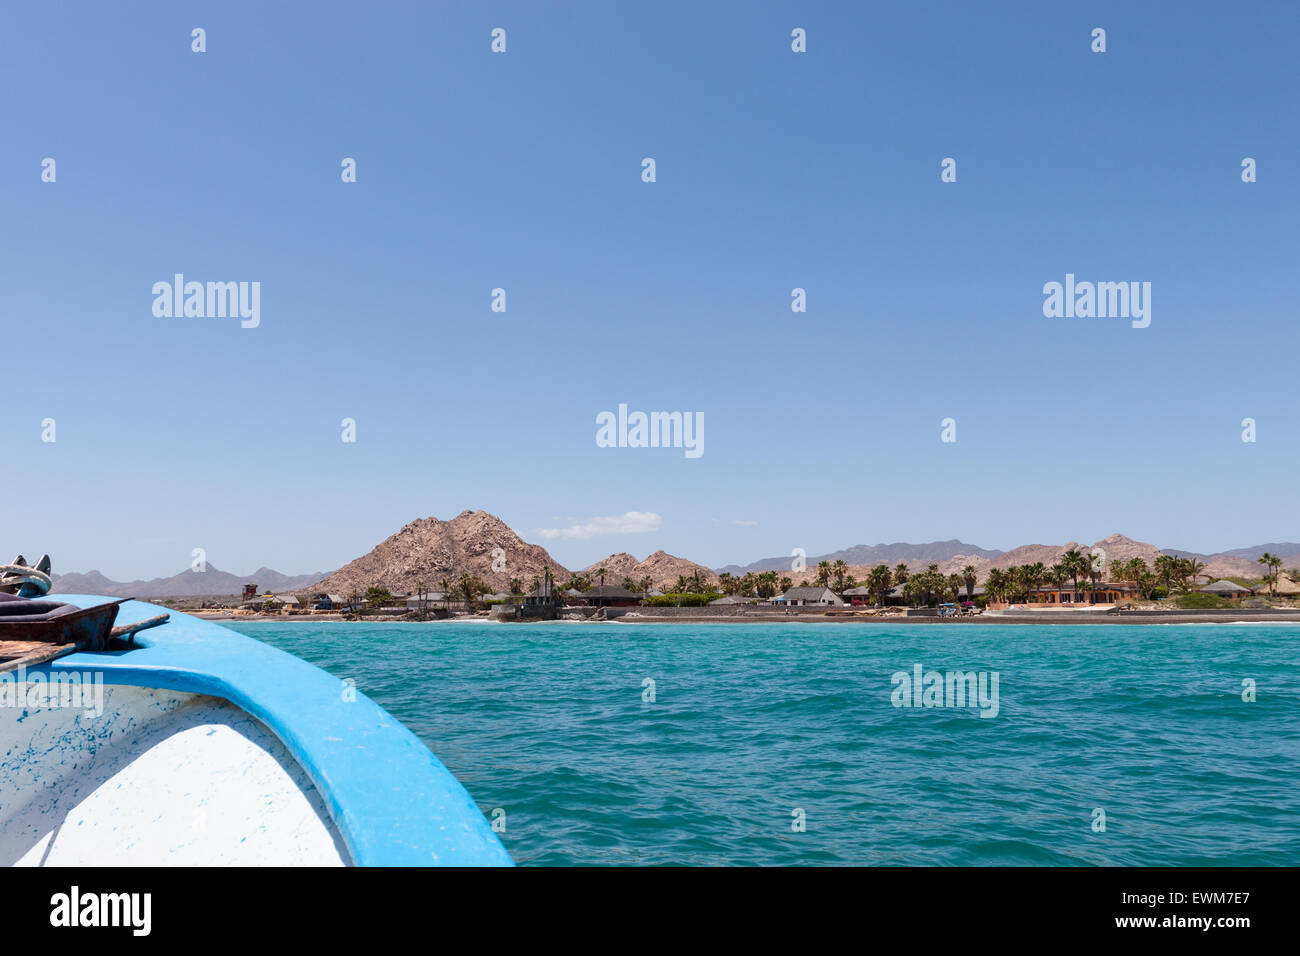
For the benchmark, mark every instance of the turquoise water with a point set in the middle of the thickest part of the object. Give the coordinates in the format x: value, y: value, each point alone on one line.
x: 753, y: 722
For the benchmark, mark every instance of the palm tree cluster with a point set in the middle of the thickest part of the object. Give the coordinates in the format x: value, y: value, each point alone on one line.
x: 468, y: 589
x: 695, y: 584
x: 928, y: 587
x: 1273, y: 563
x: 1019, y: 581
x: 834, y: 575
x: 762, y: 584
x: 1169, y: 571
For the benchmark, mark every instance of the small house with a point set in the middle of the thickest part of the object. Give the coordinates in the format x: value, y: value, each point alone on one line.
x: 1227, y: 589
x: 610, y: 595
x: 809, y: 597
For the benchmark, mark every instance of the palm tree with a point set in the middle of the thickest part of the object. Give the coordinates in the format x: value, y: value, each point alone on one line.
x: 879, y: 583
x: 914, y: 590
x: 1077, y: 565
x: 1194, y: 569
x: 1166, y: 566
x: 1272, y: 562
x: 995, y: 585
x: 839, y: 568
x: 1144, y: 578
x: 1035, y: 575
x: 1057, y: 575
x: 969, y: 576
x: 901, y: 573
x: 955, y: 581
x: 601, y: 573
x: 933, y: 584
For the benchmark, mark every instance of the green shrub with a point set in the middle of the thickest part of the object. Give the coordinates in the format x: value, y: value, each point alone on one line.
x: 1199, y: 600
x: 681, y: 600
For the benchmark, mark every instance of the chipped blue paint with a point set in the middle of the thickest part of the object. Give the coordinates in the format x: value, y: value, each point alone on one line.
x: 392, y: 800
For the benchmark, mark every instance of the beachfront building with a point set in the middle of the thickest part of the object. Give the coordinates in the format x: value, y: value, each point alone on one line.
x: 610, y: 595
x: 1285, y: 587
x: 1227, y: 589
x: 1111, y: 592
x: 731, y: 599
x: 422, y: 602
x: 808, y: 597
x: 544, y: 600
x: 329, y: 602
x: 858, y: 596
x: 273, y: 602
x: 1107, y: 593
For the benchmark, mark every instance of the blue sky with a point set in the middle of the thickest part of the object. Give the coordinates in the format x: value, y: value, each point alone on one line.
x: 522, y: 170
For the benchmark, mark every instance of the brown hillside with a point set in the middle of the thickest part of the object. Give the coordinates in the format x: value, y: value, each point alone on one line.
x: 428, y: 550
x: 663, y: 568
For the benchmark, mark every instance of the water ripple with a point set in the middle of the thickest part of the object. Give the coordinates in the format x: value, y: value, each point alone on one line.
x: 755, y: 730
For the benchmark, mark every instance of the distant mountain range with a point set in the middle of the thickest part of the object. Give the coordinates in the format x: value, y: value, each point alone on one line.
x: 1288, y: 551
x: 189, y: 583
x: 936, y: 552
x: 428, y: 551
x: 952, y: 556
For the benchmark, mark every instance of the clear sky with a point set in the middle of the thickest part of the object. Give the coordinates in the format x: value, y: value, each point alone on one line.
x: 523, y: 171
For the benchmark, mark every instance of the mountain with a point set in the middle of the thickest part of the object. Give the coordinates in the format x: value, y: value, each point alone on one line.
x: 1240, y: 562
x: 663, y: 568
x: 1116, y: 548
x: 1283, y: 549
x: 952, y: 556
x: 427, y: 550
x: 188, y: 583
x: 915, y: 556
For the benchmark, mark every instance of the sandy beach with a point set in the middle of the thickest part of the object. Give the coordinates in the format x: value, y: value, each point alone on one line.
x: 732, y: 616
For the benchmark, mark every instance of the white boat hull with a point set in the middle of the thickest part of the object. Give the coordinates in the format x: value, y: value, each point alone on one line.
x: 159, y: 778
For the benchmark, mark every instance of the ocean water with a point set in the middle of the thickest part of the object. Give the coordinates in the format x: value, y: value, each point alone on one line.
x: 757, y: 727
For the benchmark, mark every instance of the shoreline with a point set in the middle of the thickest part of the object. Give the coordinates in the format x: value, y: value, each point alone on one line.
x: 638, y: 616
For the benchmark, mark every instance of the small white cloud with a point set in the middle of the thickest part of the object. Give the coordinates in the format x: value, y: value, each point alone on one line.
x: 744, y: 524
x: 631, y: 522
